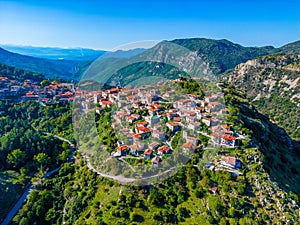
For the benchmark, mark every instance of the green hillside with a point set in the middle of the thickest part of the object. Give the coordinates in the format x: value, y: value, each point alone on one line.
x: 273, y: 84
x: 222, y: 54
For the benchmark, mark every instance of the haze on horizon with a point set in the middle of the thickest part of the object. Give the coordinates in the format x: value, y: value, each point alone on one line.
x: 105, y: 25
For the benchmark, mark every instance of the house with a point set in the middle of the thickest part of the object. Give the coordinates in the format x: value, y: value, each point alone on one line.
x: 137, y: 148
x: 122, y: 149
x: 171, y: 115
x: 193, y: 96
x: 115, y: 124
x: 142, y: 129
x: 226, y: 127
x: 137, y: 137
x: 173, y: 126
x: 194, y: 125
x: 209, y: 121
x: 224, y: 111
x: 215, y: 106
x: 148, y: 154
x: 187, y: 147
x: 191, y: 119
x: 177, y: 119
x: 132, y: 98
x: 155, y: 160
x: 106, y: 103
x: 229, y: 141
x: 29, y: 97
x: 153, y: 111
x: 230, y: 161
x: 137, y: 103
x: 142, y: 124
x: 164, y: 150
x: 194, y: 140
x: 133, y: 117
x: 214, y: 189
x: 215, y: 137
x: 153, y: 145
x: 152, y: 120
x: 159, y: 135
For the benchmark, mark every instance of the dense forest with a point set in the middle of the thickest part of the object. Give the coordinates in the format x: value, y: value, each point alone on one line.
x: 25, y: 150
x: 19, y: 74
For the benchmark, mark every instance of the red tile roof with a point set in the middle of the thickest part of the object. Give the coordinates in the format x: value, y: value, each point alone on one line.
x: 148, y: 152
x: 229, y: 138
x: 142, y: 123
x: 214, y: 189
x: 229, y: 159
x: 156, y: 159
x: 122, y: 148
x: 137, y: 135
x: 225, y: 126
x: 215, y: 135
x: 177, y: 119
x: 164, y: 149
x: 187, y: 145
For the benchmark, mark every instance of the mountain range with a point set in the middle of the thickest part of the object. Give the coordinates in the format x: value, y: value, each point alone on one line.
x: 221, y: 55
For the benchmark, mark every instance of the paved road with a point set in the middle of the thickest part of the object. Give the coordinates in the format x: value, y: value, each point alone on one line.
x: 121, y: 178
x: 17, y: 206
x: 23, y: 198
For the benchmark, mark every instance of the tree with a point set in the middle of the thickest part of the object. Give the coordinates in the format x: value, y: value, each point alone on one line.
x: 16, y: 158
x: 45, y: 82
x: 42, y: 159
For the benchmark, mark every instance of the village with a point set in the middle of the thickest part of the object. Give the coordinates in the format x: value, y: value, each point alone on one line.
x: 148, y: 118
x: 29, y: 90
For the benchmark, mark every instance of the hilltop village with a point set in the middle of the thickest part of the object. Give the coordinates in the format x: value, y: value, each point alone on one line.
x: 151, y: 122
x: 30, y: 90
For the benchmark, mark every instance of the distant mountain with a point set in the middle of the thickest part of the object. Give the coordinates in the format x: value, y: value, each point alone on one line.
x: 273, y: 84
x: 48, y: 61
x: 123, y: 53
x: 223, y: 54
x: 55, y: 53
x: 214, y: 58
x: 63, y: 69
x: 291, y: 48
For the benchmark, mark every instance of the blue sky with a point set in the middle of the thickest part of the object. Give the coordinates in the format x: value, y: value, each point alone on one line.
x: 107, y: 24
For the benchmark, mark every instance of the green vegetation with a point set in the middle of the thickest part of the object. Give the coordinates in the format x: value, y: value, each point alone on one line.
x: 192, y: 87
x: 138, y: 71
x: 222, y: 54
x: 18, y: 74
x: 106, y: 133
x: 26, y: 152
x: 273, y: 86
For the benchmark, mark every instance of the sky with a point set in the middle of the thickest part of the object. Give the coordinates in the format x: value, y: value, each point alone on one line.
x: 108, y: 24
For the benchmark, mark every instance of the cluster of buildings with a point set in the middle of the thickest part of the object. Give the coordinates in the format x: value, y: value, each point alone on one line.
x: 147, y: 118
x: 32, y: 90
